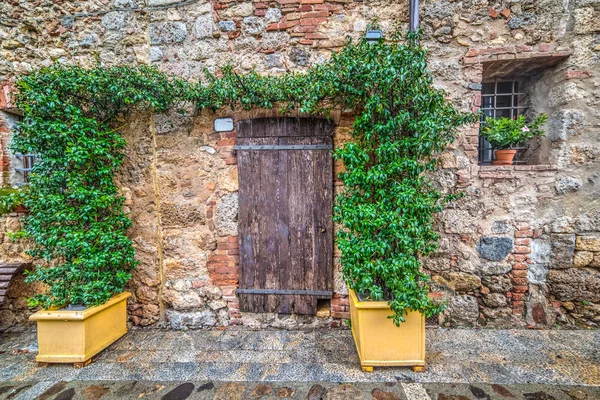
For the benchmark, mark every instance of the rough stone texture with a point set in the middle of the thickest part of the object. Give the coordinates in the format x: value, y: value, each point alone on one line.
x: 563, y: 248
x: 568, y: 184
x: 513, y: 234
x: 462, y: 311
x: 494, y: 248
x: 226, y: 215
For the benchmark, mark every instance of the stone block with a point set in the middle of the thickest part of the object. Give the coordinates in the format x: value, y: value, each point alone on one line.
x: 540, y: 311
x: 575, y: 284
x: 238, y: 10
x: 567, y: 184
x: 582, y: 259
x: 495, y: 300
x: 458, y: 281
x: 563, y: 249
x: 114, y: 21
x: 167, y: 33
x: 565, y: 123
x: 497, y: 283
x: 462, y: 310
x: 494, y: 248
x: 492, y: 268
x: 588, y: 242
x: 204, y: 26
x: 225, y: 218
x: 195, y: 319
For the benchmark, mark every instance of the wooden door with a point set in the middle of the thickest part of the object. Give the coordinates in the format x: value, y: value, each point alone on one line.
x: 285, y: 216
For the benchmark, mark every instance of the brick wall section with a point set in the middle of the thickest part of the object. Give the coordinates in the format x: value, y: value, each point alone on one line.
x: 521, y: 260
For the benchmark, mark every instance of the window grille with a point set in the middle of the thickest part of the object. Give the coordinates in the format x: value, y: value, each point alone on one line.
x: 499, y: 99
x: 27, y: 161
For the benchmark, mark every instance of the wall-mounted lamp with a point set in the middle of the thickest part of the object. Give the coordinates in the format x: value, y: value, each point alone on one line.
x: 373, y: 35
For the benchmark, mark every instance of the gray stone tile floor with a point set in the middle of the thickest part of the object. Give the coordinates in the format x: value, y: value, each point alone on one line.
x: 320, y: 364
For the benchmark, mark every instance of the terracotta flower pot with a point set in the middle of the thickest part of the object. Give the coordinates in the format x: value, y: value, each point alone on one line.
x: 504, y: 157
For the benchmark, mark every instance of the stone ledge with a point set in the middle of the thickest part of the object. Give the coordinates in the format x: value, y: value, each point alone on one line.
x: 511, y: 171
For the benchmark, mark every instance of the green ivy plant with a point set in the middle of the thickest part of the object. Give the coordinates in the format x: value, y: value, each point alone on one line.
x: 11, y: 198
x: 506, y: 133
x: 385, y: 211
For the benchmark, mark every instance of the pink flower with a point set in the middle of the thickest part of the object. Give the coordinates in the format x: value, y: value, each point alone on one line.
x: 525, y: 129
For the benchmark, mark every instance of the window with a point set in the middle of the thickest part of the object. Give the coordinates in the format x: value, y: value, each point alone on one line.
x: 24, y: 164
x: 499, y: 99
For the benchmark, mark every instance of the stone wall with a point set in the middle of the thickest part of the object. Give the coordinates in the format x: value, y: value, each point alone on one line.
x: 520, y: 249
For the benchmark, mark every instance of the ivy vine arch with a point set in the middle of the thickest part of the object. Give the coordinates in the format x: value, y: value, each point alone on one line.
x: 77, y: 223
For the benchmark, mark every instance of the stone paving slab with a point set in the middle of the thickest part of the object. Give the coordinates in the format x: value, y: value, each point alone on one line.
x: 171, y: 390
x: 506, y: 357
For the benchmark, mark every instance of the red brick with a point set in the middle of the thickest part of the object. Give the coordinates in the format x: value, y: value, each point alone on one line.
x: 282, y: 26
x: 519, y: 257
x: 522, y: 241
x: 230, y: 160
x: 524, y: 234
x: 521, y: 250
x: 218, y: 257
x: 227, y: 245
x: 546, y: 47
x: 312, y: 21
x: 505, y: 13
x: 519, y: 273
x: 288, y: 1
x: 315, y: 14
x: 305, y: 7
x: 6, y: 92
x: 260, y: 13
x: 233, y: 252
x: 493, y: 13
x: 578, y: 74
x: 261, y: 5
x: 305, y: 41
x: 520, y: 266
x: 316, y: 36
x: 198, y: 284
x: 519, y: 289
x: 343, y: 315
x: 306, y: 28
x: 520, y: 281
x: 336, y: 308
x: 518, y: 296
x: 229, y: 269
x: 312, y: 1
x: 228, y: 291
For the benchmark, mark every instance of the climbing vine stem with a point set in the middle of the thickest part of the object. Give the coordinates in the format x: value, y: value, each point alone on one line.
x: 385, y: 211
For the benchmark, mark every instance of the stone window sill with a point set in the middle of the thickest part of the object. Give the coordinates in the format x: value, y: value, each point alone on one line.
x: 507, y: 171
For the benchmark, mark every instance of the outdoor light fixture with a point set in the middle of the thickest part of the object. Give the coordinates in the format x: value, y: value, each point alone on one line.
x: 373, y: 35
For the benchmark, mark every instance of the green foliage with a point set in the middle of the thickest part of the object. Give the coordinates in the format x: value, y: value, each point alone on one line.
x: 10, y: 198
x: 506, y: 133
x: 76, y: 219
x: 386, y: 209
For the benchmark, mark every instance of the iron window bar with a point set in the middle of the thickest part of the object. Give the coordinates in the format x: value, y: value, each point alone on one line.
x: 28, y: 160
x: 489, y: 108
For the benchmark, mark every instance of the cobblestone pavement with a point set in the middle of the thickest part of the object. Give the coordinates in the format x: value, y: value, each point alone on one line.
x: 236, y: 364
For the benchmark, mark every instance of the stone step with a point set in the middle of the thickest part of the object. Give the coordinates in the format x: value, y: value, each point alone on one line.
x: 4, y: 285
x: 8, y: 270
x: 3, y: 292
x: 11, y: 265
x: 5, y: 277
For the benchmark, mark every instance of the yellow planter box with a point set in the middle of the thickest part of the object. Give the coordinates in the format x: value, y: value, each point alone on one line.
x: 381, y: 343
x: 76, y: 336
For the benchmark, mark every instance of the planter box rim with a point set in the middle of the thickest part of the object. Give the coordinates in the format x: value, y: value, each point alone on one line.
x: 366, y: 304
x: 54, y: 313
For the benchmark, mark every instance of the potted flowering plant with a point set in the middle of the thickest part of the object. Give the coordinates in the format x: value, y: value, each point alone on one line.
x: 504, y: 134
